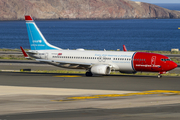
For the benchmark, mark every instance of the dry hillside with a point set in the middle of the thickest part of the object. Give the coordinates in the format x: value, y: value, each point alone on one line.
x: 81, y: 9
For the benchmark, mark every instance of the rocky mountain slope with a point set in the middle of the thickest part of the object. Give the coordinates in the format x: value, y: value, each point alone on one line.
x: 81, y: 9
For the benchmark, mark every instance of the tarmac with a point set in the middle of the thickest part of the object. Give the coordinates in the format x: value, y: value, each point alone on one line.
x: 44, y: 96
x: 39, y: 96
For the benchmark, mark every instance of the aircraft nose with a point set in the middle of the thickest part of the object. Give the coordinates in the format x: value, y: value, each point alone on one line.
x: 173, y: 65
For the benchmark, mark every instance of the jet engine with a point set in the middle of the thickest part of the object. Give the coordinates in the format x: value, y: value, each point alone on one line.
x: 101, y: 69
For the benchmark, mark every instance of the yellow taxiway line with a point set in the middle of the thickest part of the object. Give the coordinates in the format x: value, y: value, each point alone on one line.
x: 151, y: 92
x: 67, y: 76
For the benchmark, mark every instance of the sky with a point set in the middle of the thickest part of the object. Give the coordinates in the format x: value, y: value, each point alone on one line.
x: 158, y: 1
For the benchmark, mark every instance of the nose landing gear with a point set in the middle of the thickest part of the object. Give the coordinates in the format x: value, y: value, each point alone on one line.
x: 160, y: 74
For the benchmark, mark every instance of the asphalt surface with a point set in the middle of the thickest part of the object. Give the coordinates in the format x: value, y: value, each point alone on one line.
x: 29, y: 96
x: 113, y: 82
x: 168, y: 112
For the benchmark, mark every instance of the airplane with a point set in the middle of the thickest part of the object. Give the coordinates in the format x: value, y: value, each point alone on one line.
x: 94, y: 62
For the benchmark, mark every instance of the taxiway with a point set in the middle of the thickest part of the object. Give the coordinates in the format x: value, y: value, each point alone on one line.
x: 37, y: 96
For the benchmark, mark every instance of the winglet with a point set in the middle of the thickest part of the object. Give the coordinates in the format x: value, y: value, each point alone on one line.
x: 28, y: 18
x: 24, y: 53
x: 124, y: 48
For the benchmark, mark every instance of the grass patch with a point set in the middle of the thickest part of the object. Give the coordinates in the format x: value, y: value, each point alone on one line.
x: 176, y: 60
x: 12, y: 50
x: 60, y: 71
x: 4, y: 49
x: 13, y: 57
x: 160, y: 52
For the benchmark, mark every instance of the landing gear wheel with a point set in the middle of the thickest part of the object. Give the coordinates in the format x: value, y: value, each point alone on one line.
x: 159, y: 76
x: 89, y: 74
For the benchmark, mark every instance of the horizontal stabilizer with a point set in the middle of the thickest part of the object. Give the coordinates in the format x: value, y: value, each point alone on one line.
x: 24, y: 53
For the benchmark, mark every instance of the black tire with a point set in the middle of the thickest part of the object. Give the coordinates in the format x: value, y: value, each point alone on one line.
x: 89, y: 74
x: 159, y: 76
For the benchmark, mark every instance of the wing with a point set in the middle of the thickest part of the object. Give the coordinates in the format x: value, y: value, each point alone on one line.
x: 124, y: 48
x: 80, y: 64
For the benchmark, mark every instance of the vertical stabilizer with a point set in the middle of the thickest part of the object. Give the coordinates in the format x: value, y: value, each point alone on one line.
x: 36, y: 39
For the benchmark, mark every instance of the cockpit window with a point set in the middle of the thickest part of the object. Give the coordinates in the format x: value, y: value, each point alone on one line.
x: 165, y: 59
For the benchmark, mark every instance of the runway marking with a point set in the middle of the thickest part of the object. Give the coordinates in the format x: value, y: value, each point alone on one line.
x: 67, y: 76
x: 151, y: 92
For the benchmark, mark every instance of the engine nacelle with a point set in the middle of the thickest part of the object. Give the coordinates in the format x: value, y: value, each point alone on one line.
x: 101, y: 69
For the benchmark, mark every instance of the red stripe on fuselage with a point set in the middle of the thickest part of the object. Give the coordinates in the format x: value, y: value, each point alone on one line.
x: 152, y: 62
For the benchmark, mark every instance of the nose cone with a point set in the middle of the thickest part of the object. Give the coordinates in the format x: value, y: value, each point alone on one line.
x: 173, y: 65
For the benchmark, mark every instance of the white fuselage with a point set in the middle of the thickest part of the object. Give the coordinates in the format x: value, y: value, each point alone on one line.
x: 119, y: 61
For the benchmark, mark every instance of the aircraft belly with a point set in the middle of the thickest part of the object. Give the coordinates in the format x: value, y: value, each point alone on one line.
x: 125, y: 66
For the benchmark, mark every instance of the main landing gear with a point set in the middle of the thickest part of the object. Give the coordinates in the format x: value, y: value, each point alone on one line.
x: 160, y: 74
x: 89, y: 74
